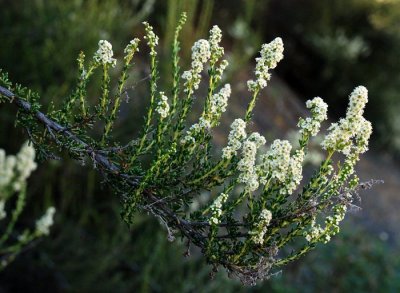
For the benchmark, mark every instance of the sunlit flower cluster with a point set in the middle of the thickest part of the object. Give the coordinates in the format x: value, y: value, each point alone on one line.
x: 275, y: 163
x: 45, y: 222
x: 219, y: 102
x: 352, y: 126
x: 7, y: 165
x: 270, y: 55
x: 216, y: 209
x: 104, y: 54
x: 25, y: 165
x: 246, y: 166
x: 318, y: 234
x: 132, y: 48
x: 163, y: 106
x: 215, y: 49
x: 200, y: 55
x: 295, y: 172
x: 151, y: 37
x: 261, y: 228
x: 14, y: 170
x: 235, y: 138
x: 311, y: 125
x: 197, y: 128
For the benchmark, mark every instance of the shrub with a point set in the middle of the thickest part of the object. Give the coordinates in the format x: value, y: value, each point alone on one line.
x: 257, y: 205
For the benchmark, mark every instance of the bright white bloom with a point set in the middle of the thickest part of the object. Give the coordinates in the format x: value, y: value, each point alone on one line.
x: 236, y: 135
x: 104, y: 55
x: 195, y: 129
x: 363, y: 135
x: 261, y: 228
x: 215, y: 38
x: 318, y: 234
x: 219, y: 102
x: 257, y: 138
x: 14, y: 170
x: 275, y: 163
x: 163, y: 106
x: 319, y: 110
x: 151, y: 37
x: 201, y: 53
x: 45, y: 222
x: 352, y: 126
x: 216, y: 209
x: 132, y: 47
x: 7, y: 165
x: 246, y: 166
x: 220, y: 70
x: 270, y: 55
x: 357, y: 101
x: 3, y: 213
x: 295, y: 172
x: 25, y: 165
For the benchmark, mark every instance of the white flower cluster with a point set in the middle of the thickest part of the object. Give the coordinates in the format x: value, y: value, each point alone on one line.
x: 270, y: 55
x: 25, y: 165
x: 216, y: 209
x: 200, y: 55
x: 278, y: 165
x: 319, y: 111
x: 7, y: 166
x: 132, y: 47
x: 163, y: 106
x: 246, y: 166
x: 220, y: 70
x: 261, y: 227
x: 275, y: 163
x: 215, y: 49
x: 14, y: 170
x: 104, y: 55
x: 319, y: 234
x: 151, y: 37
x: 203, y: 124
x: 354, y: 125
x: 219, y: 102
x: 236, y: 135
x: 295, y: 172
x: 45, y: 222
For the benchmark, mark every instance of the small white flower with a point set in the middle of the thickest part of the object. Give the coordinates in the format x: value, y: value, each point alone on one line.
x: 200, y: 55
x: 151, y: 37
x: 270, y: 55
x: 275, y: 163
x: 319, y: 110
x: 236, y: 135
x: 216, y: 51
x: 45, y: 222
x: 216, y: 208
x: 353, y: 126
x: 132, y: 47
x: 104, y: 54
x: 163, y: 106
x: 261, y: 227
x: 218, y: 103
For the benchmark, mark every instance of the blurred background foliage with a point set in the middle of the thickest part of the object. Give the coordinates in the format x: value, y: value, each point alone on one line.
x: 331, y: 46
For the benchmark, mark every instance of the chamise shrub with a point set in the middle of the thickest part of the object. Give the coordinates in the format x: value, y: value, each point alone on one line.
x: 259, y: 204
